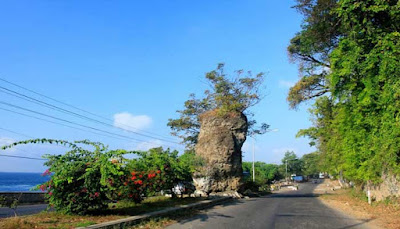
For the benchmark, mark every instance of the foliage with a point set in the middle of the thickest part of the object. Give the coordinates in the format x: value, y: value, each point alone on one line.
x: 264, y: 173
x: 82, y: 180
x: 311, y: 48
x: 226, y: 94
x: 310, y: 164
x: 171, y: 167
x: 294, y: 164
x: 356, y: 123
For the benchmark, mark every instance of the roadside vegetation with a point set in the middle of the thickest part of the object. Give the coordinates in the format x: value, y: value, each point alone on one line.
x: 115, y: 211
x: 83, y: 181
x: 265, y: 174
x: 353, y: 202
x: 348, y: 53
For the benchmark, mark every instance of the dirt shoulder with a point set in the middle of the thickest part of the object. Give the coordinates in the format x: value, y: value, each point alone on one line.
x: 379, y: 215
x: 123, y: 209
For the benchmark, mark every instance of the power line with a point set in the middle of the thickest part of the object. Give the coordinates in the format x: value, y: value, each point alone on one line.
x: 64, y: 120
x: 11, y: 131
x: 36, y: 101
x: 15, y: 156
x: 82, y: 110
x: 49, y: 121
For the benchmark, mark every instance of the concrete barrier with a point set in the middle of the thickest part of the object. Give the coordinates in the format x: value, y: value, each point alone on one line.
x: 26, y: 197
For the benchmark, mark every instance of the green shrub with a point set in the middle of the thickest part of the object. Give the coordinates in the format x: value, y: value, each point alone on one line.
x: 82, y: 180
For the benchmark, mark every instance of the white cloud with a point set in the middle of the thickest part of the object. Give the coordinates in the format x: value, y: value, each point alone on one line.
x: 286, y: 83
x: 148, y: 145
x: 128, y: 121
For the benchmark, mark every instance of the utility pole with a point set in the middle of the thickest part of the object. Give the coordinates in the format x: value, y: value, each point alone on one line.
x: 254, y: 143
x: 286, y: 171
x: 254, y: 173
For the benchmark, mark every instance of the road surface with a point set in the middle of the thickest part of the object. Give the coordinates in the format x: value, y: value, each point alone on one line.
x: 23, y: 210
x: 290, y: 209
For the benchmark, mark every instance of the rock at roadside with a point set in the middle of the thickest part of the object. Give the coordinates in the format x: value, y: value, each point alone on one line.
x: 220, y: 145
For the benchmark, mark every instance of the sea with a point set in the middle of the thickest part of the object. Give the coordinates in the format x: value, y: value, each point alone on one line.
x: 20, y: 181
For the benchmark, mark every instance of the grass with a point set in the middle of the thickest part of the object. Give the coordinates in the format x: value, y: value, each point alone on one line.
x: 162, y: 222
x: 122, y: 209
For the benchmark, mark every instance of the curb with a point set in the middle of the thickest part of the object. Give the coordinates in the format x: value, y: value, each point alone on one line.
x: 132, y: 220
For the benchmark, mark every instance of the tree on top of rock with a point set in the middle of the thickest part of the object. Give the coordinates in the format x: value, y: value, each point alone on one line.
x: 226, y: 95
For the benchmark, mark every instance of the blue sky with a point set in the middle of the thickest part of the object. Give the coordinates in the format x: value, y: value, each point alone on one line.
x: 138, y: 61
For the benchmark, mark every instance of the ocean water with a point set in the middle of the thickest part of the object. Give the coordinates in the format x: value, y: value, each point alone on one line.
x: 20, y: 181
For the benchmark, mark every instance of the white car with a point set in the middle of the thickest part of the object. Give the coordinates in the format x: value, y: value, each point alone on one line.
x: 183, y: 188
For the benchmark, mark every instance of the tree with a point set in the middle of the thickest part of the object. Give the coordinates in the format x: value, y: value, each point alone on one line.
x: 226, y: 94
x: 310, y: 164
x: 294, y: 164
x: 265, y: 173
x: 311, y: 48
x: 349, y: 53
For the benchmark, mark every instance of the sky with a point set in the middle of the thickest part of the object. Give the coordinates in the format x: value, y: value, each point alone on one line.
x: 134, y: 63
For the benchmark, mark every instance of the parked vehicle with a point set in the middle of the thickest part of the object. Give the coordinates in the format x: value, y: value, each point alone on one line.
x: 298, y: 178
x: 183, y: 188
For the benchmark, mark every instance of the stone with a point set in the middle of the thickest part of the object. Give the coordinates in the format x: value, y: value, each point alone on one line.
x: 220, y: 145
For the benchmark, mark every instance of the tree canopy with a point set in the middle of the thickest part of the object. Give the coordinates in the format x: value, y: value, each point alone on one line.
x: 348, y: 53
x: 265, y: 173
x: 226, y: 94
x: 294, y: 164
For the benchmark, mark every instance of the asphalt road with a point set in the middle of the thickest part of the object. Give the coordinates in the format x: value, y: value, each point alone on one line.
x: 290, y: 209
x: 23, y: 210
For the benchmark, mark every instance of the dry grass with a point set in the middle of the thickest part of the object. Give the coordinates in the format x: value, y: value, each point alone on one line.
x: 162, y: 222
x: 384, y: 214
x: 47, y: 220
x: 53, y: 220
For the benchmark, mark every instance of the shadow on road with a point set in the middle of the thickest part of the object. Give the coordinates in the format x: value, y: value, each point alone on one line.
x: 285, y: 209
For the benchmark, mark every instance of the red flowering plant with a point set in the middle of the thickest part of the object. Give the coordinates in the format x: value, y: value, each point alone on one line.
x: 136, y: 185
x: 163, y: 169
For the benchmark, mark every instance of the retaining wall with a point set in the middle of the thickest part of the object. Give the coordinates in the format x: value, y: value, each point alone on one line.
x: 26, y: 197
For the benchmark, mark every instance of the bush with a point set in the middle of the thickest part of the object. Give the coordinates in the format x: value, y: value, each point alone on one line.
x: 171, y: 168
x: 83, y: 180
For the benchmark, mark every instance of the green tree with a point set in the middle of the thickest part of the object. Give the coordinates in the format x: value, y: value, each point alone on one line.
x: 226, y: 94
x: 310, y: 164
x: 265, y: 173
x: 294, y: 164
x: 351, y: 63
x: 311, y: 48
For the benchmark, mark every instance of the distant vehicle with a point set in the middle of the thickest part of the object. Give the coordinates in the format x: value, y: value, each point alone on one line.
x: 183, y: 188
x: 321, y: 175
x: 298, y: 178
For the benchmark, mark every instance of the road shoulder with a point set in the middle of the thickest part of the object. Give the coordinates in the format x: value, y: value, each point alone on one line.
x: 378, y: 215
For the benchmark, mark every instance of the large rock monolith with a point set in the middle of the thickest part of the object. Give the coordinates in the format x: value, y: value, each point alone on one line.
x: 220, y: 145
